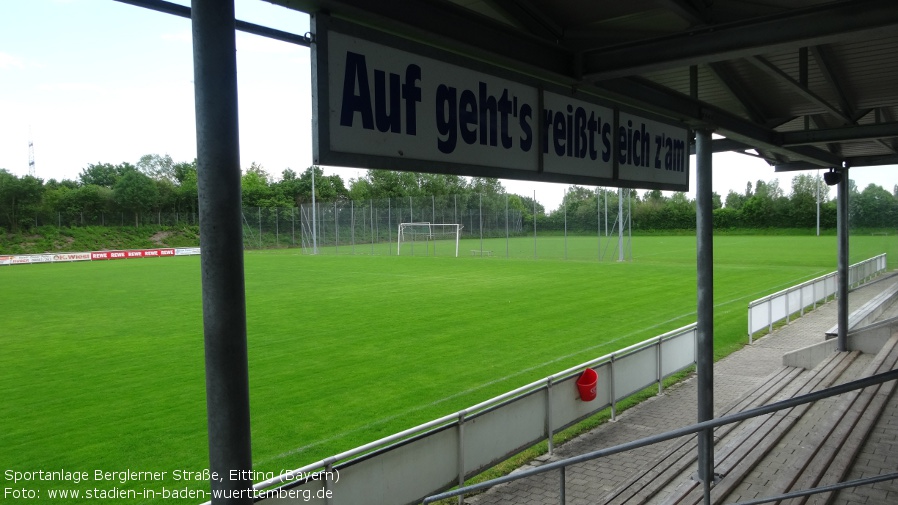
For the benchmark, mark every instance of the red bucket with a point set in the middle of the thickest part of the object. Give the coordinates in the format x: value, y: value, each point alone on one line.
x: 586, y: 384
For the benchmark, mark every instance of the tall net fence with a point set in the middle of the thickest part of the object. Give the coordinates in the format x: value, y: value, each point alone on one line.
x: 491, y: 225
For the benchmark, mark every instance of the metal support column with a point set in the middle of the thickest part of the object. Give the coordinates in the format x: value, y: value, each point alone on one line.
x: 844, y: 281
x: 705, y: 307
x: 221, y: 239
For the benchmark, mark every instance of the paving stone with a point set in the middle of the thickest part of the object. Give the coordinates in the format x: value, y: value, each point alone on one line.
x: 735, y: 376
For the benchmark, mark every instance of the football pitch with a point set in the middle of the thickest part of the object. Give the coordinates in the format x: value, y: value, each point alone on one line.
x: 102, y: 362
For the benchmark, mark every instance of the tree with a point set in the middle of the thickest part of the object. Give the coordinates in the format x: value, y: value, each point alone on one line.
x: 136, y: 192
x: 392, y: 184
x: 327, y: 187
x: 874, y: 207
x: 104, y: 174
x: 803, y: 200
x: 157, y: 167
x: 441, y: 185
x: 19, y: 199
x: 187, y: 190
x: 486, y: 186
x: 255, y: 187
x: 735, y: 201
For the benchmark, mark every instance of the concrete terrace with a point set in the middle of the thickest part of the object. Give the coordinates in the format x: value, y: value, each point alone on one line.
x: 768, y: 455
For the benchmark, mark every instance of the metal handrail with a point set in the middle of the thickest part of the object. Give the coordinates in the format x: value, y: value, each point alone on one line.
x: 854, y: 271
x: 662, y: 437
x: 484, y: 405
x: 821, y: 489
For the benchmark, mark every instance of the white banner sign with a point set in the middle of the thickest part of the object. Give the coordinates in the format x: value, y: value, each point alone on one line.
x: 378, y: 106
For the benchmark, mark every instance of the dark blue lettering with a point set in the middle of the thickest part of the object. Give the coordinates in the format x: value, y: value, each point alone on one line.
x: 580, y: 128
x: 467, y: 116
x: 447, y: 121
x: 524, y: 121
x: 412, y: 94
x: 506, y: 108
x: 558, y: 133
x: 606, y: 142
x: 356, y: 77
x: 386, y: 121
x: 489, y: 117
x: 592, y: 125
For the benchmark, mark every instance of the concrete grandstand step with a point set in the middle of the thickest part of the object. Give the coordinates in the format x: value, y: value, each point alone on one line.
x: 822, y: 444
x: 865, y: 411
x: 871, y: 310
x: 646, y: 484
x: 738, y: 454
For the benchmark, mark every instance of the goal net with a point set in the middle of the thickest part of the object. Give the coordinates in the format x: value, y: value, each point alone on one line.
x: 429, y: 233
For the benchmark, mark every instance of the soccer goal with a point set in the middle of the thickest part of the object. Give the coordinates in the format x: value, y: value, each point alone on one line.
x: 427, y: 233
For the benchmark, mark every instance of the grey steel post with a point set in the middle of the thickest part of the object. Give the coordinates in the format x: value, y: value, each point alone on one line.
x: 620, y: 224
x: 550, y: 430
x: 461, y: 453
x: 705, y: 307
x: 481, y: 223
x: 562, y: 499
x: 842, y: 211
x: 221, y: 238
x: 565, y: 222
x: 314, y: 231
x: 598, y: 226
x: 506, y: 225
x: 534, y: 224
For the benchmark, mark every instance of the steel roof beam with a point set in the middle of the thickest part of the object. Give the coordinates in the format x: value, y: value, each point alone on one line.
x: 847, y: 20
x: 452, y: 27
x: 243, y: 26
x: 842, y: 134
x: 772, y: 70
x: 530, y: 17
x: 826, y: 65
x: 738, y: 91
x: 647, y: 96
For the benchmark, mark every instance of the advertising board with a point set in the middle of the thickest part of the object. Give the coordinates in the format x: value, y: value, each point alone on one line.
x: 384, y: 102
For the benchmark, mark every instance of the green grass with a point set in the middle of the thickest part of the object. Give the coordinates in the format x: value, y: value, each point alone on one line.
x: 102, y: 363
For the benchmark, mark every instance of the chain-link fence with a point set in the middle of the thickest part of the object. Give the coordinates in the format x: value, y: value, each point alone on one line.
x: 490, y: 225
x: 81, y: 218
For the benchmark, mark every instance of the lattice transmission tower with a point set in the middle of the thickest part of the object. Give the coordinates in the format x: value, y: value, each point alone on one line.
x: 30, y: 154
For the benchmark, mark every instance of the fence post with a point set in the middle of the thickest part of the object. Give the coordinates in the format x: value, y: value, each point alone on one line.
x: 660, y: 372
x: 328, y: 469
x: 534, y: 224
x: 561, y: 490
x: 611, y: 388
x: 461, y: 452
x: 788, y: 307
x: 549, y: 430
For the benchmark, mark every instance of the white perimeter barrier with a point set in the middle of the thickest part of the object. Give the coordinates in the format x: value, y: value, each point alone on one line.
x: 27, y: 259
x: 764, y: 312
x: 410, y: 465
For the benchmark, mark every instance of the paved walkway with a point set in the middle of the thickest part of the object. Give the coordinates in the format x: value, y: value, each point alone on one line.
x: 734, y: 377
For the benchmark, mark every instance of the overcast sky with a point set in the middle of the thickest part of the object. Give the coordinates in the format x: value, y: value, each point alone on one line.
x: 91, y: 81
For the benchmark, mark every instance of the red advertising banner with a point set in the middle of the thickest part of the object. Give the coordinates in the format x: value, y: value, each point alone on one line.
x: 170, y: 252
x: 108, y: 255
